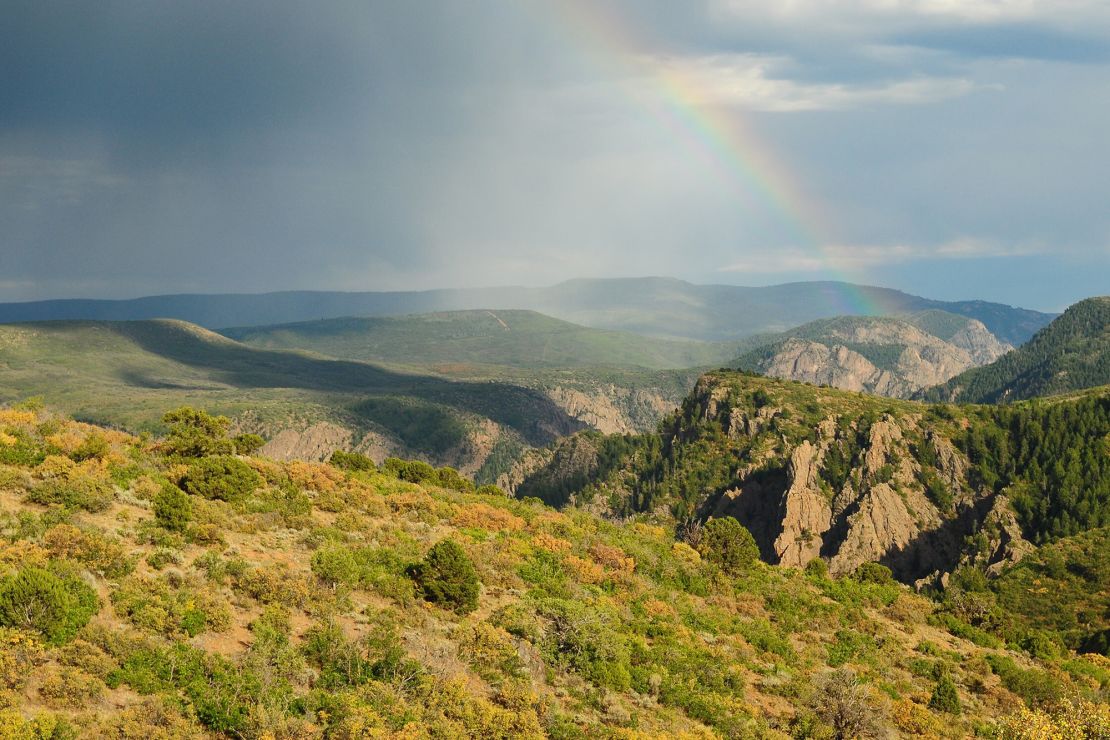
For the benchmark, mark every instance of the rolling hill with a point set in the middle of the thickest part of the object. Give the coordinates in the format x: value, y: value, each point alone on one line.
x: 894, y: 357
x: 129, y: 373
x: 517, y: 339
x: 659, y: 307
x: 476, y: 417
x: 1071, y: 353
x: 145, y: 593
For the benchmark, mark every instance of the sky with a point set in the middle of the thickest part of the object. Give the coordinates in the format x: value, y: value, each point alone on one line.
x: 951, y: 148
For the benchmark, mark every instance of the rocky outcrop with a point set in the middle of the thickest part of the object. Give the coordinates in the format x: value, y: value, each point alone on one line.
x: 806, y: 514
x: 317, y: 442
x: 613, y: 409
x: 981, y: 346
x: 887, y: 357
x: 880, y: 524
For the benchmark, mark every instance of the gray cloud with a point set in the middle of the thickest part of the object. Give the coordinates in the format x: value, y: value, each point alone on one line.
x: 161, y: 146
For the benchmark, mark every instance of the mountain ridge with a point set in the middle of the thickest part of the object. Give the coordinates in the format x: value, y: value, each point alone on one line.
x: 664, y: 307
x: 1071, y: 353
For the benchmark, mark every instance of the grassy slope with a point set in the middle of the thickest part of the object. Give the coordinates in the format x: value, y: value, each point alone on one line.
x: 129, y: 373
x: 519, y: 339
x: 1071, y: 353
x: 583, y: 628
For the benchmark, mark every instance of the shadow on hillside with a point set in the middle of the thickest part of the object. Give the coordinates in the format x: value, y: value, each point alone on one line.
x: 529, y: 412
x: 938, y: 549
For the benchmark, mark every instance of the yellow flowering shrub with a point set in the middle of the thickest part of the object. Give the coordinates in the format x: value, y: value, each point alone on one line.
x: 1082, y: 720
x: 613, y: 558
x: 490, y: 518
x: 548, y: 542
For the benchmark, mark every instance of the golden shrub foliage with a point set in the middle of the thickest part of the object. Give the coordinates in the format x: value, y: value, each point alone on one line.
x: 613, y: 558
x: 1080, y: 720
x: 20, y: 654
x: 94, y: 550
x: 548, y: 542
x: 584, y: 571
x: 315, y: 476
x: 685, y: 553
x: 69, y: 688
x: 18, y: 417
x: 490, y: 518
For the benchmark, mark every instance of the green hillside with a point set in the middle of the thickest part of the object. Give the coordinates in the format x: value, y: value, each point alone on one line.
x: 167, y: 589
x: 519, y: 339
x: 818, y: 472
x: 1071, y: 353
x: 129, y: 373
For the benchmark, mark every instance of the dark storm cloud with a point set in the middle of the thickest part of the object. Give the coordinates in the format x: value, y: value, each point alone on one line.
x: 155, y: 146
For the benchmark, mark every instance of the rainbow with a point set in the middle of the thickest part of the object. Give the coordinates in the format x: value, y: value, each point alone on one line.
x: 722, y: 138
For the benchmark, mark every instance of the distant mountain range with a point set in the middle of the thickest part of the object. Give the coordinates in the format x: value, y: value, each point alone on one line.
x: 660, y: 307
x: 1072, y: 353
x: 894, y: 357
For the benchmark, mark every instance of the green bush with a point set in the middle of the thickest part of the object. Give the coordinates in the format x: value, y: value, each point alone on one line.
x: 582, y: 638
x: 1038, y: 688
x: 196, y: 433
x: 173, y: 509
x: 89, y: 492
x: 413, y: 471
x: 874, y: 573
x: 945, y: 697
x: 352, y: 461
x: 447, y: 577
x: 221, y: 477
x: 729, y: 544
x: 248, y: 444
x: 336, y: 566
x: 38, y: 600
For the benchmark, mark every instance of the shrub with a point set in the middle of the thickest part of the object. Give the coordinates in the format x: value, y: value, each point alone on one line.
x: 247, y: 444
x: 874, y: 573
x: 195, y: 433
x: 221, y: 477
x: 38, y: 600
x: 100, y: 553
x: 335, y: 566
x: 945, y: 698
x: 76, y: 490
x: 729, y: 544
x: 580, y: 637
x: 817, y: 568
x: 173, y: 509
x: 352, y: 461
x: 447, y: 577
x: 843, y: 702
x: 413, y: 471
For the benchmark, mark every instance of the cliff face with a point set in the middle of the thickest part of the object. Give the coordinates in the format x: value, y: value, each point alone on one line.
x: 811, y: 472
x: 888, y: 357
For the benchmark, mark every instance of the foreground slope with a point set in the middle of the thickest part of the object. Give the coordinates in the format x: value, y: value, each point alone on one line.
x: 850, y: 478
x: 227, y: 596
x: 660, y: 307
x: 894, y: 357
x: 1071, y: 353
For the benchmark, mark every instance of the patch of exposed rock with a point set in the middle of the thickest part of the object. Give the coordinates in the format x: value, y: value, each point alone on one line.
x: 886, y: 357
x: 806, y: 513
x: 315, y: 442
x: 612, y: 409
